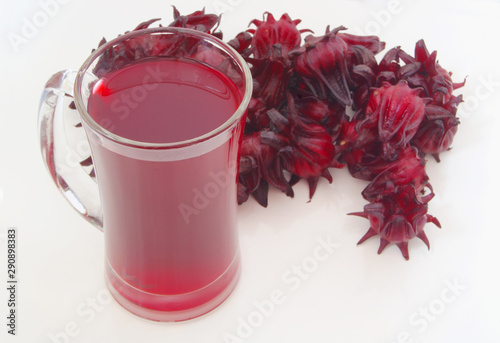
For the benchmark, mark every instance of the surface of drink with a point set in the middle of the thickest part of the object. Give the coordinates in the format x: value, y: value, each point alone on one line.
x: 163, y: 100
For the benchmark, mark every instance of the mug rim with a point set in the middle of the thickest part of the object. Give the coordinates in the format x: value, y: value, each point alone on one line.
x: 234, y: 118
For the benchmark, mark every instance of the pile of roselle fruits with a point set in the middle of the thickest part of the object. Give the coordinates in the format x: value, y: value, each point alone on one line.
x: 326, y: 102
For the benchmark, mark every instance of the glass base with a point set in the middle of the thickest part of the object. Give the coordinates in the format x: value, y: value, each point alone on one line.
x: 177, y: 307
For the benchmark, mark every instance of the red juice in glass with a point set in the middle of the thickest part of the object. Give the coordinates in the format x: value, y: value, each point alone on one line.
x: 163, y: 111
x: 169, y: 224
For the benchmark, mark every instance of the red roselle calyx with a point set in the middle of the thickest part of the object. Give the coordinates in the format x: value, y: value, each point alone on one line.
x: 274, y: 38
x: 311, y: 152
x: 395, y: 113
x: 139, y: 47
x: 398, y: 204
x: 397, y: 219
x: 321, y: 64
x: 298, y: 127
x: 267, y: 52
x: 440, y: 123
x: 199, y: 21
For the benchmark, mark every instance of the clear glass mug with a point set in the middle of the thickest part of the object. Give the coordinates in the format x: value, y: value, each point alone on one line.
x: 167, y: 210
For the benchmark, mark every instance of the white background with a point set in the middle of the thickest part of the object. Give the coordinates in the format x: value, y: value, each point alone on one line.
x: 354, y: 295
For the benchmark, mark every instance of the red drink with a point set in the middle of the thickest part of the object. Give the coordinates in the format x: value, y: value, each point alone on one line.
x: 169, y: 223
x: 163, y: 100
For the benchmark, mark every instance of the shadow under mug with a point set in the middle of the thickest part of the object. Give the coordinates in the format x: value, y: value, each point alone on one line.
x: 167, y: 210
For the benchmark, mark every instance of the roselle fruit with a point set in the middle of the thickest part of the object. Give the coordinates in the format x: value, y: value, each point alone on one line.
x: 322, y: 65
x: 241, y: 42
x: 373, y: 139
x: 435, y: 134
x: 407, y: 169
x: 258, y: 165
x: 311, y: 151
x: 401, y: 104
x: 275, y: 38
x: 398, y: 202
x: 376, y: 147
x: 271, y: 42
x: 398, y: 218
x: 321, y: 111
x: 199, y: 21
x: 290, y: 144
x: 139, y: 47
x: 423, y: 71
x: 371, y: 43
x: 270, y: 80
x: 395, y: 112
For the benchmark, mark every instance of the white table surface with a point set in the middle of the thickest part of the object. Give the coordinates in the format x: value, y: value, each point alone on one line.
x: 447, y: 294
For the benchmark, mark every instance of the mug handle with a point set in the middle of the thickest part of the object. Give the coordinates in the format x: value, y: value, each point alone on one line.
x: 65, y: 148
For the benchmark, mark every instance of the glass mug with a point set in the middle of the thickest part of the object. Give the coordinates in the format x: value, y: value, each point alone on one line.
x: 162, y: 189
